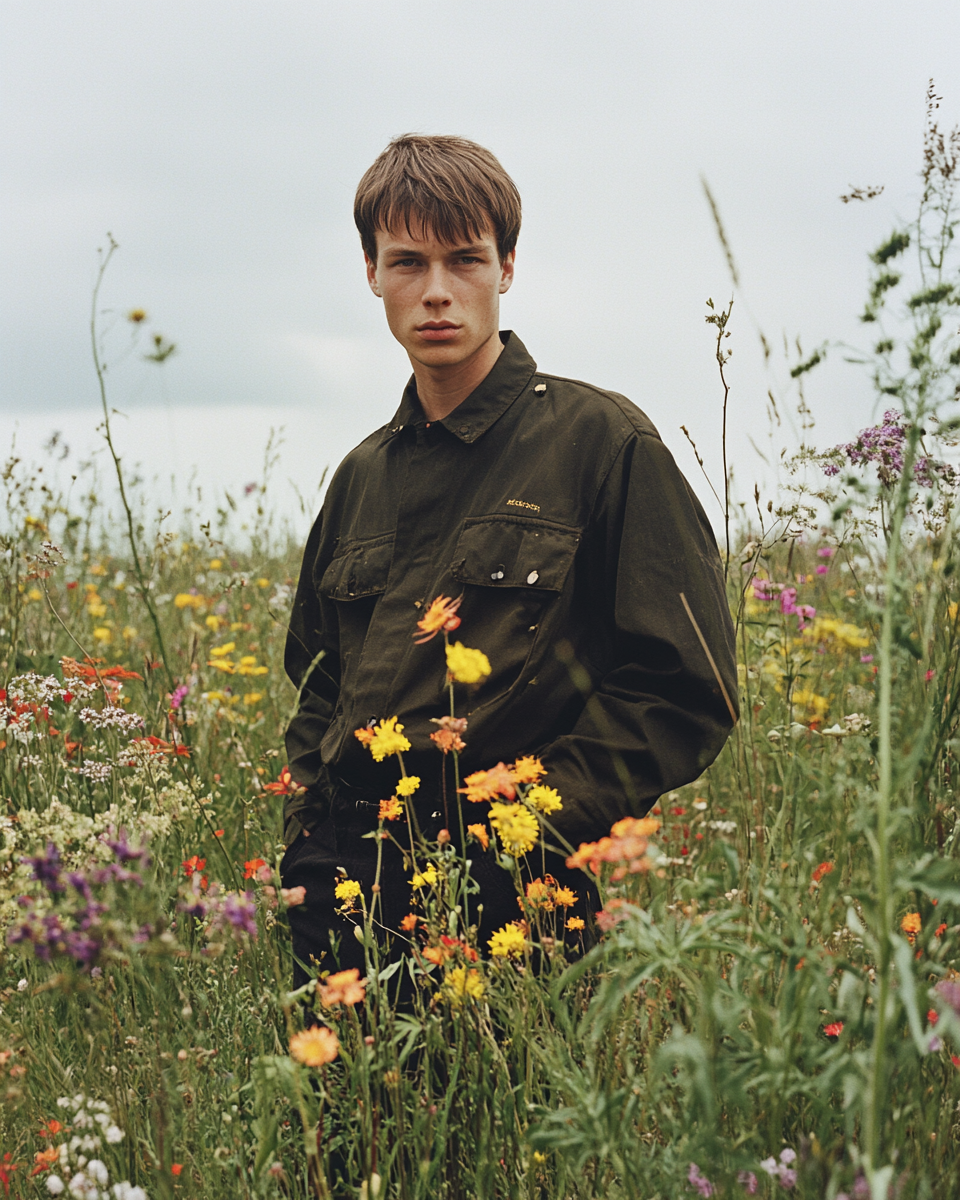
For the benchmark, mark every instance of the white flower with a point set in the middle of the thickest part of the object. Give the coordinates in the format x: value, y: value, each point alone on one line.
x: 123, y: 1191
x: 770, y: 1165
x: 788, y: 1156
x: 113, y: 1134
x: 22, y: 985
x: 97, y: 1170
x: 54, y: 1185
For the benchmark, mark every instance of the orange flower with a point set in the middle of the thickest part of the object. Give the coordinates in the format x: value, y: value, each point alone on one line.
x: 575, y: 923
x: 193, y: 865
x: 50, y: 1129
x: 434, y: 954
x: 941, y: 929
x: 528, y: 769
x: 345, y: 987
x: 441, y: 615
x: 218, y: 833
x: 541, y: 893
x: 911, y: 923
x: 565, y: 897
x: 45, y: 1159
x: 252, y: 867
x: 446, y: 741
x: 364, y: 736
x: 314, y: 1047
x: 286, y: 785
x: 409, y: 922
x: 487, y: 785
x: 626, y: 847
x: 176, y: 1168
x: 391, y: 810
x: 824, y: 869
x: 480, y: 833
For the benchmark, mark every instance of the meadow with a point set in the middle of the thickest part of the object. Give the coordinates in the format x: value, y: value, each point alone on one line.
x: 769, y: 1001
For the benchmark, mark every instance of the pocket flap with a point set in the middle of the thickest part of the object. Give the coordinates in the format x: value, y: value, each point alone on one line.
x: 361, y: 569
x: 514, y: 552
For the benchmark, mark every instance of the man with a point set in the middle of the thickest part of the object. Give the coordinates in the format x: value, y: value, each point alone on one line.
x: 588, y: 572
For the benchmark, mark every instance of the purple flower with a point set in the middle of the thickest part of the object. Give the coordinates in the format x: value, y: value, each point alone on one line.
x: 241, y: 912
x: 788, y: 1177
x: 178, y: 695
x: 748, y: 1180
x: 861, y: 1189
x: 123, y: 851
x: 949, y: 992
x: 699, y: 1182
x: 46, y: 868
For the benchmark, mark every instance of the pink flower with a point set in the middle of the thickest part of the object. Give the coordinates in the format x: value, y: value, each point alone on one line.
x: 805, y: 614
x: 826, y: 552
x: 748, y: 1180
x: 788, y: 601
x: 699, y: 1182
x: 293, y: 896
x: 929, y: 675
x: 822, y: 570
x: 866, y: 658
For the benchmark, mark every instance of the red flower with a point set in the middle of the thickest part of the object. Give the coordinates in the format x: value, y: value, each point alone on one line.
x: 176, y: 1168
x: 678, y: 811
x: 932, y: 1016
x: 955, y: 1061
x: 941, y: 930
x: 834, y: 1030
x: 7, y: 1167
x: 824, y: 869
x: 252, y: 867
x: 194, y: 866
x: 286, y: 785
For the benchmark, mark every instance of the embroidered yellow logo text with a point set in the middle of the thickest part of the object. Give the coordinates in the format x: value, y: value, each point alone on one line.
x: 524, y: 504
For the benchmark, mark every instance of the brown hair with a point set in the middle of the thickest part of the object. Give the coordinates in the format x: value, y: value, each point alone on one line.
x: 446, y: 184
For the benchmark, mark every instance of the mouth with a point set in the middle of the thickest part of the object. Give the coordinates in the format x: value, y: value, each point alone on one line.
x: 438, y: 331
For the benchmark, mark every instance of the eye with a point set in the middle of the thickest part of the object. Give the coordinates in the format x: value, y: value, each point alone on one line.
x: 469, y: 258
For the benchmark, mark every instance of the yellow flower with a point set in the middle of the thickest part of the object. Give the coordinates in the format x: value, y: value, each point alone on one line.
x: 102, y: 634
x: 952, y: 610
x: 842, y: 634
x: 97, y: 610
x: 215, y: 564
x: 248, y: 666
x: 186, y: 600
x: 814, y: 706
x: 314, y: 1047
x: 128, y: 633
x: 508, y: 942
x: 387, y: 739
x: 408, y: 785
x: 226, y: 648
x: 213, y: 622
x: 463, y: 983
x: 36, y: 594
x: 539, y: 1158
x: 348, y: 889
x: 517, y: 827
x: 544, y: 799
x: 575, y: 923
x: 252, y: 698
x: 911, y: 923
x: 227, y: 665
x: 263, y: 583
x: 426, y: 878
x: 465, y: 665
x: 565, y: 897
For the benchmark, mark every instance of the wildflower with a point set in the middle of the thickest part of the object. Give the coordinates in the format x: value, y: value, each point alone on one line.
x: 508, y: 942
x: 627, y: 847
x: 347, y: 890
x: 22, y: 985
x: 465, y: 665
x: 528, y: 769
x: 748, y: 1181
x: 194, y: 865
x: 55, y: 1185
x: 251, y: 868
x: 286, y: 785
x: 45, y: 1159
x: 517, y: 828
x: 541, y: 893
x: 948, y: 990
x: 314, y: 1047
x: 345, y: 987
x: 447, y: 737
x: 364, y: 736
x: 188, y: 600
x: 612, y: 915
x: 544, y: 799
x: 575, y: 924
x: 699, y: 1182
x: 441, y: 615
x: 7, y: 1167
x: 176, y: 1168
x: 910, y: 924
x: 480, y: 833
x: 408, y: 785
x: 941, y: 929
x: 409, y: 922
x: 428, y: 877
x: 832, y: 1031
x: 292, y: 897
x: 387, y: 738
x: 485, y: 785
x: 463, y: 983
x: 565, y: 897
x: 823, y: 869
x: 390, y: 810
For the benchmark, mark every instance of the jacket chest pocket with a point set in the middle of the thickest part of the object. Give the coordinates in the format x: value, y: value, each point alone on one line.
x: 359, y: 570
x: 511, y: 570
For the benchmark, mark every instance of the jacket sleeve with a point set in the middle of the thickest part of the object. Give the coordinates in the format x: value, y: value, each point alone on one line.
x: 657, y: 717
x: 312, y: 662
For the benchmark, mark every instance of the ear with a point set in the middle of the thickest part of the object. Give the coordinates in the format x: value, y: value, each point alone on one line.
x: 372, y: 276
x: 506, y: 271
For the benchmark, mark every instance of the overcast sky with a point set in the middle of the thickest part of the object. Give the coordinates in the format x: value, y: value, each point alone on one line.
x: 221, y: 143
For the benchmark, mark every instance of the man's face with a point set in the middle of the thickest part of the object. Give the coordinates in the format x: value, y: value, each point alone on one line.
x: 442, y: 301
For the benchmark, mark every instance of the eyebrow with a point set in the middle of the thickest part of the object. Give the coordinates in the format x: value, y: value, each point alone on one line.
x: 405, y: 252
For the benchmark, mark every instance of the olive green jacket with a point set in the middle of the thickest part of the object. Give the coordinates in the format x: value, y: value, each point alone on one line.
x: 556, y: 512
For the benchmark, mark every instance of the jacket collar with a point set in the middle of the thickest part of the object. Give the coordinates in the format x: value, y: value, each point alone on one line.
x: 486, y: 404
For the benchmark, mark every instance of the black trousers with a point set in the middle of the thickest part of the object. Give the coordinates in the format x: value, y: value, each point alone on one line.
x: 324, y: 939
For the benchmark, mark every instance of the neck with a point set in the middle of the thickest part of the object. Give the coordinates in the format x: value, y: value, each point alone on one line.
x: 442, y: 389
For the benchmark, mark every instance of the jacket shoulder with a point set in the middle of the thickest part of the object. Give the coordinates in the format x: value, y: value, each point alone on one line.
x: 598, y: 404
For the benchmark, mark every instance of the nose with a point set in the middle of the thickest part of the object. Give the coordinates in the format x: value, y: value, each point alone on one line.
x: 436, y: 291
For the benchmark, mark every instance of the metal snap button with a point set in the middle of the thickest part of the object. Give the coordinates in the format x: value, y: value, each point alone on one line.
x: 533, y: 577
x: 541, y: 388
